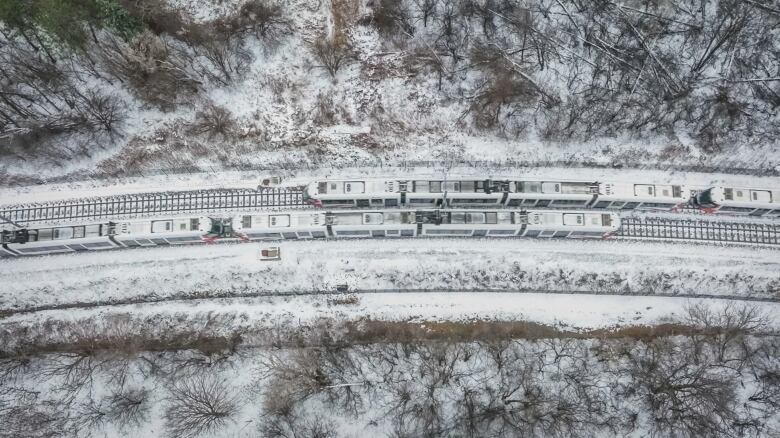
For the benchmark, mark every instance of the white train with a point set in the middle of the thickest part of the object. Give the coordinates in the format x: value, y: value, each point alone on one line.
x: 754, y: 202
x: 310, y: 225
x: 382, y: 193
x: 101, y: 236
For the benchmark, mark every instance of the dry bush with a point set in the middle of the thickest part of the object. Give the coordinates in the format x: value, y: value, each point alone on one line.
x: 391, y: 18
x: 199, y: 404
x: 345, y: 300
x: 158, y: 16
x: 214, y: 120
x: 263, y: 19
x: 128, y: 407
x: 332, y: 53
x: 685, y: 397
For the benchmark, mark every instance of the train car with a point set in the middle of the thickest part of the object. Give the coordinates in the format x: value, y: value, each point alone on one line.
x: 553, y: 194
x: 353, y: 193
x: 630, y: 196
x: 456, y: 193
x: 102, y: 236
x: 753, y: 202
x: 572, y: 224
x: 280, y: 225
x: 157, y: 232
x: 56, y: 240
x: 544, y: 223
x: 392, y: 223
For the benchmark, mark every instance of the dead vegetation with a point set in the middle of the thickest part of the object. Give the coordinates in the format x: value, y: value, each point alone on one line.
x: 416, y: 379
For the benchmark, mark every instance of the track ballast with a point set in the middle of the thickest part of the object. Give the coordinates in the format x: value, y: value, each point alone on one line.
x: 154, y: 204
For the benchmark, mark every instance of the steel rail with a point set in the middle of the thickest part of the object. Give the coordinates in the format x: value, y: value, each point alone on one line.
x: 154, y: 204
x: 664, y: 228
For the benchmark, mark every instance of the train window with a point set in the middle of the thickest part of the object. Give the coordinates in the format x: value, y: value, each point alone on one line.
x: 568, y: 202
x: 435, y: 186
x: 422, y: 201
x: 560, y: 234
x: 333, y: 186
x: 676, y: 191
x: 480, y: 233
x: 78, y: 232
x: 353, y: 233
x: 161, y: 226
x: 184, y: 239
x: 759, y: 212
x: 420, y: 186
x: 377, y: 233
x: 159, y: 241
x: 338, y: 202
x: 363, y: 203
x: 532, y: 233
x: 264, y: 235
x: 304, y: 234
x: 473, y: 201
x: 602, y: 204
x: 77, y: 247
x: 543, y: 203
x: 182, y: 226
x: 515, y: 202
x: 130, y: 243
x: 246, y: 221
x: 290, y: 235
x: 739, y: 193
x: 391, y: 203
x: 377, y: 202
x: 318, y: 234
x: 280, y: 220
x: 42, y: 249
x: 453, y: 232
x: 728, y: 194
x: 194, y: 224
x: 630, y: 205
x: 502, y: 232
x: 755, y: 196
x: 392, y: 232
x: 529, y: 202
x: 407, y: 233
x: 491, y: 218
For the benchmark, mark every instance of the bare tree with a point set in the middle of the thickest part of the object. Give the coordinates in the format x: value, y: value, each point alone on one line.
x: 198, y: 404
x: 128, y: 407
x: 332, y: 52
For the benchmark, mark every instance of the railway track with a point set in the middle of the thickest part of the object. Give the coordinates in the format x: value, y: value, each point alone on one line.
x: 153, y: 204
x: 655, y: 228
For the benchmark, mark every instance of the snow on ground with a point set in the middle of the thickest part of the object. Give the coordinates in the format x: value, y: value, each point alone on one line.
x: 564, y: 311
x: 250, y: 179
x: 639, y: 268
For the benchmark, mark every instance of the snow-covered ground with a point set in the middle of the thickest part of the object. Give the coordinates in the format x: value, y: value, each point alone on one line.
x: 638, y: 268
